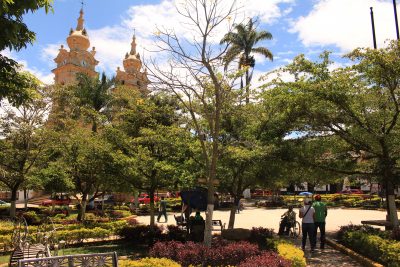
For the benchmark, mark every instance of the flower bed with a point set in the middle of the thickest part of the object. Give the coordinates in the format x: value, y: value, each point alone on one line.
x: 222, y: 253
x: 147, y: 262
x: 342, y: 200
x: 373, y: 243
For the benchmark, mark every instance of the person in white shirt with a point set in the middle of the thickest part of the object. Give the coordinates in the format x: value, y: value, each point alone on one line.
x: 307, y: 213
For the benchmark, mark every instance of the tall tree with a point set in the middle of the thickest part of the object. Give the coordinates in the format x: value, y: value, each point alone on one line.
x: 93, y: 97
x: 14, y: 34
x: 352, y: 111
x: 76, y: 108
x: 194, y: 75
x: 22, y: 140
x: 148, y: 134
x: 241, y: 45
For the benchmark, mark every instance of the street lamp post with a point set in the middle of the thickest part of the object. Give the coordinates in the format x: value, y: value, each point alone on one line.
x: 373, y: 27
x: 395, y: 18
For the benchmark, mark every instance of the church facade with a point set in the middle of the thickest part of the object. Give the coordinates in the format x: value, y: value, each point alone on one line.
x: 78, y: 59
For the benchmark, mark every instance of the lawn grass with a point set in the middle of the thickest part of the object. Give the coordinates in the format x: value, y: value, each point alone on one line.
x: 122, y: 249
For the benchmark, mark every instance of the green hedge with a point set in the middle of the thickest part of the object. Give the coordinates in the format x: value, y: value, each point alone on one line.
x: 78, y: 235
x: 373, y: 246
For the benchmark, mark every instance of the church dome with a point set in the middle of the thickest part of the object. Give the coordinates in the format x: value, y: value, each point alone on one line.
x: 78, y: 38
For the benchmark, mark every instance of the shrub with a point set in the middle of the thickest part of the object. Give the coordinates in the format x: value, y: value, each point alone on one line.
x: 141, y: 234
x: 4, y: 210
x: 31, y: 218
x: 230, y: 254
x: 176, y: 233
x: 195, y: 254
x: 374, y: 247
x: 292, y: 253
x: 69, y: 221
x: 122, y: 208
x: 78, y: 235
x: 269, y: 259
x: 149, y: 262
x: 132, y: 221
x: 262, y: 236
x: 351, y: 228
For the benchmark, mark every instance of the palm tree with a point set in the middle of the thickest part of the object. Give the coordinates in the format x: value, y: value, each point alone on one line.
x: 241, y: 45
x: 94, y: 96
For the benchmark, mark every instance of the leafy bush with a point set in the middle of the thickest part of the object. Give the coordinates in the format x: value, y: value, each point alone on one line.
x: 292, y: 253
x: 141, y: 234
x: 132, y: 221
x: 4, y: 210
x: 149, y: 262
x: 175, y: 233
x: 262, y: 236
x: 374, y: 247
x: 118, y: 214
x: 195, y: 254
x: 31, y: 218
x: 269, y: 259
x: 78, y: 235
x: 351, y: 228
x: 121, y: 208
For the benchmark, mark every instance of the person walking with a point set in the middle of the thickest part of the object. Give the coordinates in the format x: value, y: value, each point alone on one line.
x: 162, y: 210
x: 307, y: 214
x: 320, y: 215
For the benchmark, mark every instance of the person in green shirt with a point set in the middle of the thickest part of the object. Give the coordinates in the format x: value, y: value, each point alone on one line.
x: 320, y: 214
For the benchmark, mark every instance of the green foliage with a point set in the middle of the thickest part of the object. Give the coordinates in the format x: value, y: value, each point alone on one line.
x: 374, y: 247
x: 149, y: 262
x: 78, y: 235
x: 292, y: 253
x: 23, y: 142
x: 349, y: 117
x: 15, y: 34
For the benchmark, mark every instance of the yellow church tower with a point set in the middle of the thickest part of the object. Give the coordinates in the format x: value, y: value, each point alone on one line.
x: 132, y: 75
x: 77, y: 59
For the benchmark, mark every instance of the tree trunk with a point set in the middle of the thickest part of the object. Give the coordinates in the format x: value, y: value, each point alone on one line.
x: 13, y: 207
x: 210, y: 197
x: 232, y: 215
x: 391, y: 209
x: 152, y: 220
x: 82, y: 210
x: 26, y: 195
x: 247, y: 87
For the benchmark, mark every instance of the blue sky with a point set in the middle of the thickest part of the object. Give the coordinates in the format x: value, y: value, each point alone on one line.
x: 298, y: 26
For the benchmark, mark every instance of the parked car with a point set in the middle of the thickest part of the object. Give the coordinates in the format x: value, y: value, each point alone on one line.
x: 4, y: 204
x: 58, y: 200
x: 352, y: 191
x: 260, y: 193
x: 145, y: 199
x: 108, y: 200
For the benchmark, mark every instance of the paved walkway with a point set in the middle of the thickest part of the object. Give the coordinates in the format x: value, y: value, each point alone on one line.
x: 328, y: 257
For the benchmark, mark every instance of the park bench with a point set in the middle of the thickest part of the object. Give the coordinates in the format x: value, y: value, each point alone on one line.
x: 88, y: 260
x: 387, y: 224
x: 217, y: 225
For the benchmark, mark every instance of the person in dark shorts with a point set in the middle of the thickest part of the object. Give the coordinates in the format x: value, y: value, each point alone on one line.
x: 320, y: 214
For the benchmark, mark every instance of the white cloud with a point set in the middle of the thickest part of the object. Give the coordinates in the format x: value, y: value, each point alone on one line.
x: 112, y: 42
x: 346, y: 24
x: 45, y: 77
x: 267, y: 11
x: 49, y: 53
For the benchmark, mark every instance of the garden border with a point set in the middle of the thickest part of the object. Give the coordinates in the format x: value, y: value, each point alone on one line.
x: 358, y: 257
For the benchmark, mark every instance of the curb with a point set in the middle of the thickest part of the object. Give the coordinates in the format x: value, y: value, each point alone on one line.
x: 361, y: 259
